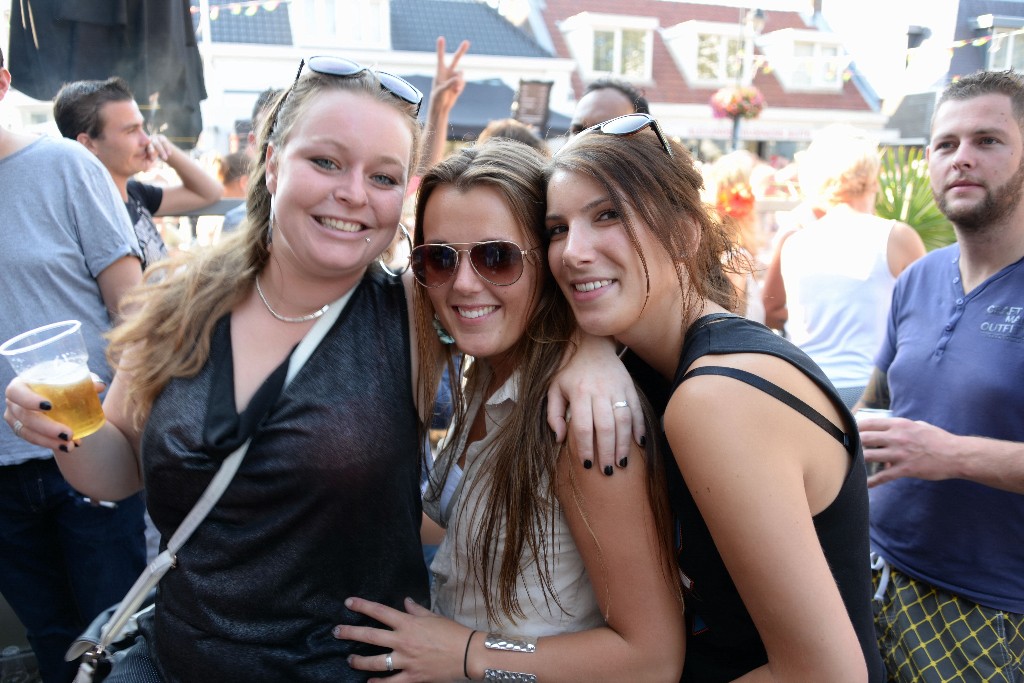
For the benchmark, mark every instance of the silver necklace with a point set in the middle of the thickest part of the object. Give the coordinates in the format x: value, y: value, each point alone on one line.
x: 285, y: 319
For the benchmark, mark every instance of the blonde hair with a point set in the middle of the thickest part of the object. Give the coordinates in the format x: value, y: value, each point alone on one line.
x: 729, y: 186
x: 841, y: 164
x: 170, y: 318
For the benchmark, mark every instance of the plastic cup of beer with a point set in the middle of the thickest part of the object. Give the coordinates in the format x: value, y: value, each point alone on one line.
x: 863, y: 414
x: 53, y: 361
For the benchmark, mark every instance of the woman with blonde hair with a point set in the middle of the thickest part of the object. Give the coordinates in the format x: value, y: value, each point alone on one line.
x: 326, y: 503
x: 838, y: 273
x: 730, y: 190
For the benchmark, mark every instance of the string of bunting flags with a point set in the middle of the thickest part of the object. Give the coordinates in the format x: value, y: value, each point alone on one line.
x: 760, y: 62
x: 242, y: 7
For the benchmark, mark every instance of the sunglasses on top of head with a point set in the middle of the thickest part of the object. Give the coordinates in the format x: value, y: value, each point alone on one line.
x: 346, y: 68
x: 629, y: 124
x: 499, y: 262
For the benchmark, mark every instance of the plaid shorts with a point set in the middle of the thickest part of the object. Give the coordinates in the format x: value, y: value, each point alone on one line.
x: 931, y: 636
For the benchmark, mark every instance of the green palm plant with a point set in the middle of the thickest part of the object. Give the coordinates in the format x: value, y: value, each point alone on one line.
x: 907, y: 196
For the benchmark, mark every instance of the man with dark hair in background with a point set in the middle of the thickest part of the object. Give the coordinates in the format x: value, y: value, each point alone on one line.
x: 604, y: 99
x: 103, y: 116
x: 67, y: 251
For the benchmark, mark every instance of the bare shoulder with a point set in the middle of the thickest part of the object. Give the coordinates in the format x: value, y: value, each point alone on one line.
x: 727, y: 434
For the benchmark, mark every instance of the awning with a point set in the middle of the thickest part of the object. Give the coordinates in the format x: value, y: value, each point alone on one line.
x: 480, y: 103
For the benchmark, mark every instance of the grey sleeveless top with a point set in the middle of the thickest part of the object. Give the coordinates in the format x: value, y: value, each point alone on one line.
x: 326, y: 505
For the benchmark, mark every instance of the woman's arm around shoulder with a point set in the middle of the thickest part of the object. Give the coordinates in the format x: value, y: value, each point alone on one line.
x: 626, y: 549
x: 758, y: 471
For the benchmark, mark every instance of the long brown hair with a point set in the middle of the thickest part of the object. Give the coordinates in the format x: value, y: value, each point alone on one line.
x: 171, y: 316
x: 522, y: 466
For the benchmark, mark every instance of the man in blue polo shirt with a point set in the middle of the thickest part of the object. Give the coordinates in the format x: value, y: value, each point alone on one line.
x: 947, y: 512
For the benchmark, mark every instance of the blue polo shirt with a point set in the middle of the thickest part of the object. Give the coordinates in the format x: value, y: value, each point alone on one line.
x: 956, y: 361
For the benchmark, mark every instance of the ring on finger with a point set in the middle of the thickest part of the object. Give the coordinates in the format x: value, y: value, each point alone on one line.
x: 18, y: 425
x: 389, y: 663
x: 620, y: 404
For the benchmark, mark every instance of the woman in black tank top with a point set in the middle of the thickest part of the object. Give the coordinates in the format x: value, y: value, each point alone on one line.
x: 767, y: 478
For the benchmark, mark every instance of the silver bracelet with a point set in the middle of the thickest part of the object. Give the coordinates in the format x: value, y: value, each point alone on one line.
x: 497, y: 641
x: 510, y: 676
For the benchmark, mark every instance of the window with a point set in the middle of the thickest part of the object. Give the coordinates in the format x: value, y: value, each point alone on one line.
x: 353, y: 23
x: 622, y: 52
x: 806, y: 60
x: 712, y: 54
x: 815, y: 65
x: 606, y: 44
x: 719, y: 58
x: 1006, y: 50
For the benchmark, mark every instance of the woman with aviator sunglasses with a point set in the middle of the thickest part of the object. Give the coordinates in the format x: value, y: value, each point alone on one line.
x: 326, y: 503
x: 542, y: 575
x: 767, y: 481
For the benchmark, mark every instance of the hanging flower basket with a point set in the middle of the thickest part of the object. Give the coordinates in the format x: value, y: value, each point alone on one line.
x: 737, y: 102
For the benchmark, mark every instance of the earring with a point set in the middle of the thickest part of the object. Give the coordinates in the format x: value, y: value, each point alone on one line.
x: 270, y: 222
x: 442, y: 334
x: 384, y: 266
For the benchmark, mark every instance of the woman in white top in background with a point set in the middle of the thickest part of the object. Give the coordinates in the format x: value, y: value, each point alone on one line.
x: 531, y: 550
x: 838, y: 273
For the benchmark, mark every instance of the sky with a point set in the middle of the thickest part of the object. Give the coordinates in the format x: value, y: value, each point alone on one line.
x: 874, y: 32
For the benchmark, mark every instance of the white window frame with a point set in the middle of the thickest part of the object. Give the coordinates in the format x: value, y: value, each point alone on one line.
x: 780, y: 51
x: 357, y: 24
x: 1005, y: 41
x: 580, y: 32
x: 683, y: 41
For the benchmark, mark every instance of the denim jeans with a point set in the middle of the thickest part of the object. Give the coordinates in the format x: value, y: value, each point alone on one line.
x: 63, y: 560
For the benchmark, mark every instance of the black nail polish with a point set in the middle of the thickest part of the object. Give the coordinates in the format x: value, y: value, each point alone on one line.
x: 643, y: 441
x: 609, y: 470
x: 63, y: 436
x: 78, y: 444
x: 587, y: 464
x: 45, y: 405
x: 622, y: 463
x: 63, y: 448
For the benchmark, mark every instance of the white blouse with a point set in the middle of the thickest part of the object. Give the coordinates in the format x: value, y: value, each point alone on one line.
x: 454, y: 591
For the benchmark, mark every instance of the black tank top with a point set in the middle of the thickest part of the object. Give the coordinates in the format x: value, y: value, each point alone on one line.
x: 326, y: 505
x: 722, y: 642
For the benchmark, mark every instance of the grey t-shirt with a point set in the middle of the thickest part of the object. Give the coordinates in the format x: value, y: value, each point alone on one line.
x: 62, y: 223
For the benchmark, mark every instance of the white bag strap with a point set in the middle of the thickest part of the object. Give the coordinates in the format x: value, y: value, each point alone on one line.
x: 156, y: 569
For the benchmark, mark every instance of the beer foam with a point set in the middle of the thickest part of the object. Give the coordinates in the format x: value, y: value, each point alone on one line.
x: 56, y: 372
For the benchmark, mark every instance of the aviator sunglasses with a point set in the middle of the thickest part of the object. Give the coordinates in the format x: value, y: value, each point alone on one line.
x: 346, y: 68
x: 630, y: 124
x: 499, y: 262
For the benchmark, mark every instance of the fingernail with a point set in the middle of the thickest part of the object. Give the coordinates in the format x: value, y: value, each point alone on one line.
x: 643, y: 441
x: 622, y: 463
x: 78, y: 444
x: 63, y: 436
x: 336, y: 632
x: 45, y: 405
x: 609, y: 470
x: 63, y: 448
x: 587, y: 464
